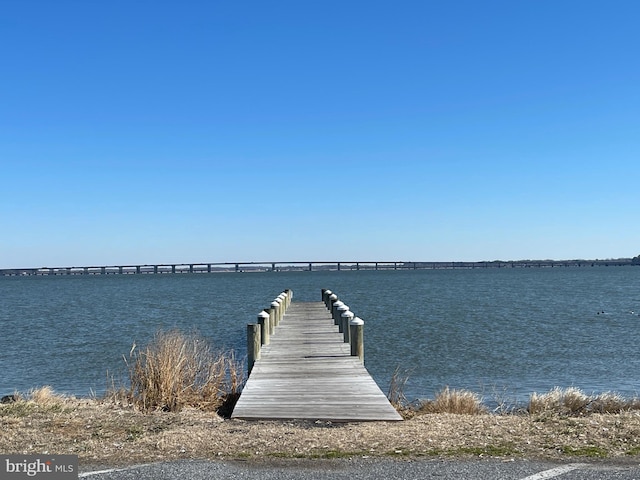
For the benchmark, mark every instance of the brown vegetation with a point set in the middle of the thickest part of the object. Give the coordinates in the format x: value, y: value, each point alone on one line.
x: 177, y: 370
x: 574, y: 402
x: 461, y: 402
x: 108, y: 433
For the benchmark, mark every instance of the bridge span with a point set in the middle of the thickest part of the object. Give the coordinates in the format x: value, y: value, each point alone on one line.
x: 206, y: 267
x: 336, y: 265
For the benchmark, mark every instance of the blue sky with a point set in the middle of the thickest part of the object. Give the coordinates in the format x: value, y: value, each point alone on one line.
x: 208, y: 131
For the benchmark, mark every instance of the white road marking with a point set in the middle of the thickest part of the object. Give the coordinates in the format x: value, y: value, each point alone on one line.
x: 111, y: 470
x: 555, y: 472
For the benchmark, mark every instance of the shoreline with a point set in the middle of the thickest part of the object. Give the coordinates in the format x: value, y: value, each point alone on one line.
x: 107, y: 433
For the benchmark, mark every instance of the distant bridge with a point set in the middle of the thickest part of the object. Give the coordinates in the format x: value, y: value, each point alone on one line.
x: 213, y: 267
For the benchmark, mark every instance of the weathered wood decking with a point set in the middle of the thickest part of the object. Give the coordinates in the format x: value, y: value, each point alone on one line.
x: 307, y: 372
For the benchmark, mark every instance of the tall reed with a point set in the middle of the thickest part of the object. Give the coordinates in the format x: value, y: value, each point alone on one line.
x: 176, y: 370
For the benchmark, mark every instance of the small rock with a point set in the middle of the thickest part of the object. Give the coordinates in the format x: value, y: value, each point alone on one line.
x: 9, y: 398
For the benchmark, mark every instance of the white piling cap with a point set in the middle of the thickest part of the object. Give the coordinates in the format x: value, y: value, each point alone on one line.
x: 282, y: 295
x: 356, y: 321
x: 348, y: 314
x: 275, y: 304
x: 333, y: 296
x: 338, y: 303
x: 343, y: 307
x: 328, y: 292
x: 263, y: 314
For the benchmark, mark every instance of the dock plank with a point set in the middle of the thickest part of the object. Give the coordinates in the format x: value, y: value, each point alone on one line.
x: 307, y: 373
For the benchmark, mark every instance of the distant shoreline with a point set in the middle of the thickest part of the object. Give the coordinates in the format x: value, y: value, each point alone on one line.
x: 245, y: 267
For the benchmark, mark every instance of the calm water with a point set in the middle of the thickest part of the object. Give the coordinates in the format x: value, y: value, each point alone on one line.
x: 505, y: 332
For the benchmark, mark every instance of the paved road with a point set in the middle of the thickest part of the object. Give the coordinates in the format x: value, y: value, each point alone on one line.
x: 366, y: 469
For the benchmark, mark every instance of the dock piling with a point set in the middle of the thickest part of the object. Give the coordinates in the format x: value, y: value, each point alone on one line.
x: 253, y: 344
x: 263, y: 321
x: 346, y: 321
x: 341, y: 310
x: 272, y: 319
x: 334, y: 311
x: 332, y: 298
x: 276, y: 312
x: 357, y: 338
x: 326, y: 293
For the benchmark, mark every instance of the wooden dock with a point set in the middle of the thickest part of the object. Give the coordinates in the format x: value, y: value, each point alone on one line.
x: 307, y: 373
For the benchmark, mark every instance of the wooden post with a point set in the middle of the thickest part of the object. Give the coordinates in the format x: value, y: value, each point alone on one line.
x: 282, y: 298
x: 276, y: 313
x: 289, y: 294
x: 280, y: 309
x: 272, y: 319
x: 332, y: 298
x: 334, y: 311
x: 357, y: 338
x: 341, y: 309
x: 253, y: 345
x: 263, y: 321
x: 325, y: 297
x: 346, y: 330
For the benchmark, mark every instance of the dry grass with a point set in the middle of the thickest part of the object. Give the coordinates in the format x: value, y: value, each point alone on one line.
x: 45, y: 396
x: 573, y: 402
x: 177, y: 370
x: 460, y: 402
x: 559, y: 401
x: 395, y: 393
x: 105, y: 433
x: 38, y: 400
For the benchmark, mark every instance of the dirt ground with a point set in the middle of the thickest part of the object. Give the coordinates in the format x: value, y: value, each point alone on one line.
x: 106, y: 433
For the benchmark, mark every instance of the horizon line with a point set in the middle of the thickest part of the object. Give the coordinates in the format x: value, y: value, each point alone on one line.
x: 323, y: 262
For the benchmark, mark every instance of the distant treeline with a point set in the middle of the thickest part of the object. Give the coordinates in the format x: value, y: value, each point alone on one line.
x: 527, y: 263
